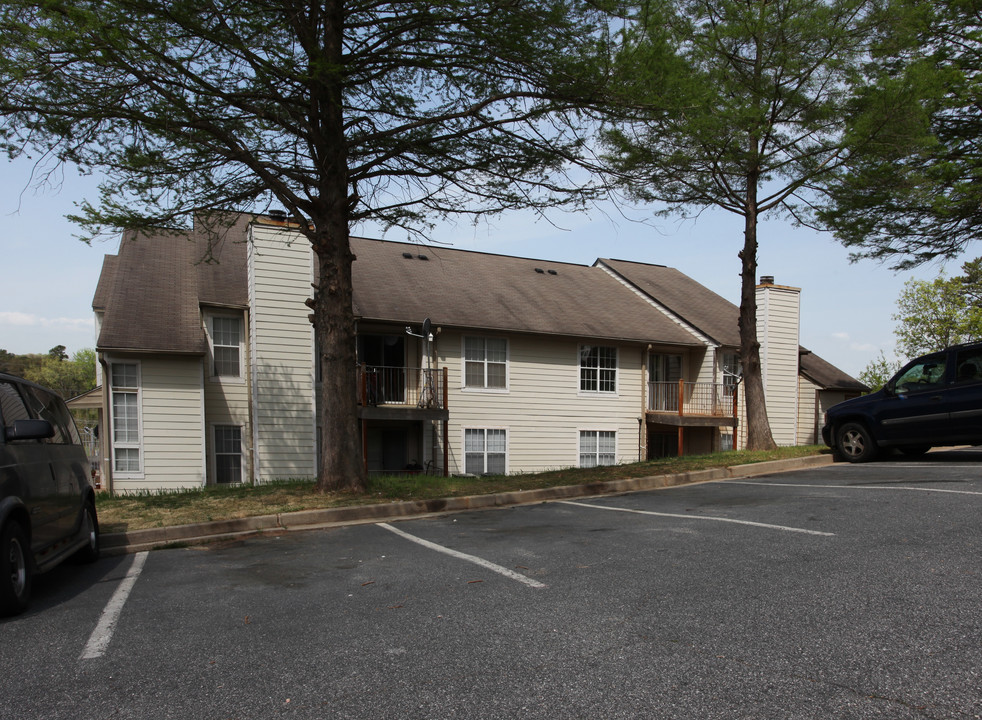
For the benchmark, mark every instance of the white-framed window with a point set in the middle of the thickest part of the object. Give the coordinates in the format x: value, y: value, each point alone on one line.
x: 125, y: 384
x: 597, y: 447
x: 228, y: 454
x: 226, y: 335
x: 730, y: 371
x: 485, y: 363
x: 485, y: 451
x: 598, y: 369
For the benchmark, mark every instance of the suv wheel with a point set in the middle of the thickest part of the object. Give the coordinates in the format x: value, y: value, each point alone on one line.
x: 15, y: 570
x: 90, y: 530
x: 855, y: 443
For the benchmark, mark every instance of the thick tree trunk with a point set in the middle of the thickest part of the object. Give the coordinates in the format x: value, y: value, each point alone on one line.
x: 342, y: 465
x: 759, y: 435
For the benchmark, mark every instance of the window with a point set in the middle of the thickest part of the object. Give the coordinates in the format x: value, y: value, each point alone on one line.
x: 226, y: 340
x: 12, y: 406
x: 484, y: 452
x: 126, y: 416
x: 925, y: 374
x: 50, y: 407
x: 597, y: 447
x: 485, y: 362
x: 968, y: 365
x: 598, y: 369
x: 228, y: 454
x: 731, y: 372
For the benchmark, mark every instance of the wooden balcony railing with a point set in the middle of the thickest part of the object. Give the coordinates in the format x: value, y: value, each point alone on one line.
x: 402, y: 386
x: 687, y: 398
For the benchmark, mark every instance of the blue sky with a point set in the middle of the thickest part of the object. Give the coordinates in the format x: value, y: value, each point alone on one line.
x: 48, y: 276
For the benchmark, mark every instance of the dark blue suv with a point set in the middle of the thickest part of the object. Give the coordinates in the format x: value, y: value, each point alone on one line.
x: 934, y: 400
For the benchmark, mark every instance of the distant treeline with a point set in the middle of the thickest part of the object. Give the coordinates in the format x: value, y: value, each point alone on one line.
x: 66, y: 376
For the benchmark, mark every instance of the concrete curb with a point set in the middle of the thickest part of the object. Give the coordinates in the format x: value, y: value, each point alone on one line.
x: 198, y: 534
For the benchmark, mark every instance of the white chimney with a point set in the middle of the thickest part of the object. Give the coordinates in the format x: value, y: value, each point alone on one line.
x: 778, y: 320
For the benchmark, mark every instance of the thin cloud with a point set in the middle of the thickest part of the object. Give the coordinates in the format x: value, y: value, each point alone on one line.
x: 20, y: 319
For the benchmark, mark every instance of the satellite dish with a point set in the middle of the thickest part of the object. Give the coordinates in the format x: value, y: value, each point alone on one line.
x: 426, y: 328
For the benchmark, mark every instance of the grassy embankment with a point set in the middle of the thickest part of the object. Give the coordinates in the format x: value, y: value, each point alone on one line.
x: 160, y: 509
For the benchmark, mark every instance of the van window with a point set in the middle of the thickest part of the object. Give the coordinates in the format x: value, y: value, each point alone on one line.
x: 50, y: 407
x: 11, y: 405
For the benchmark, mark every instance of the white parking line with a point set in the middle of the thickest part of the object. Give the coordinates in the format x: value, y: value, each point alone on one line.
x: 857, y: 487
x: 464, y: 556
x: 700, y: 517
x: 103, y: 633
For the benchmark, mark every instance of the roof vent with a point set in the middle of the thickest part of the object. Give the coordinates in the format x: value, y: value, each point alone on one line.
x: 422, y: 257
x: 278, y: 214
x: 553, y: 272
x: 766, y: 279
x: 408, y: 256
x: 540, y: 271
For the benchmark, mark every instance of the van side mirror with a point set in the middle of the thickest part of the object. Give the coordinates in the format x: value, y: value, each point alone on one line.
x: 29, y: 430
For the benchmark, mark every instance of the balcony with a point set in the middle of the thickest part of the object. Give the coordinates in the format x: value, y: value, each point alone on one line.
x: 691, y: 404
x: 391, y: 393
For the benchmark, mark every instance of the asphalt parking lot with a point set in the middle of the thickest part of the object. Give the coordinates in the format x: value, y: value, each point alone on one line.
x: 841, y: 592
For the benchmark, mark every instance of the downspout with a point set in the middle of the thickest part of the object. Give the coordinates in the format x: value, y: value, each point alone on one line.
x: 642, y: 425
x: 104, y: 441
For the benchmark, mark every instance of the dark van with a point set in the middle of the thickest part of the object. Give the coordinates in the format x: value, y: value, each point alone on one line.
x: 47, y: 504
x: 934, y: 400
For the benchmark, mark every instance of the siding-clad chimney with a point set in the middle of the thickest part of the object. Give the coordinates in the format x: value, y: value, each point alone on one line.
x: 778, y: 318
x: 284, y: 426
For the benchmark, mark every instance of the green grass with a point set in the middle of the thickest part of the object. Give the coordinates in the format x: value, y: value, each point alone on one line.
x: 118, y: 513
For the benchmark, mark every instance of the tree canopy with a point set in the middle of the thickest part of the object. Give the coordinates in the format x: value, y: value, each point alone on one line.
x: 340, y: 111
x: 932, y: 315
x: 749, y: 115
x: 917, y: 195
x: 67, y: 377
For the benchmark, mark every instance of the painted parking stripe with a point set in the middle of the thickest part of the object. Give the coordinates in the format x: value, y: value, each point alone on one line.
x: 103, y: 633
x: 858, y: 487
x: 712, y: 518
x: 464, y: 556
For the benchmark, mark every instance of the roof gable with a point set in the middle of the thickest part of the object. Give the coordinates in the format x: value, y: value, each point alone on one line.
x: 709, y: 313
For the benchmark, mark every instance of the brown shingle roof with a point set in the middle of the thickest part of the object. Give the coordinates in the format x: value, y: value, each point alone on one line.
x: 152, y: 290
x: 152, y: 304
x: 154, y: 287
x: 220, y: 252
x: 826, y: 375
x: 462, y: 289
x: 106, y: 278
x: 699, y: 306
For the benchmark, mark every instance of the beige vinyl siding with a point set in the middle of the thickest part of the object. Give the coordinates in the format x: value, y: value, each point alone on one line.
x: 740, y: 431
x: 809, y: 418
x: 543, y: 410
x: 281, y: 357
x: 227, y: 403
x: 702, y: 366
x: 172, y: 404
x: 778, y: 334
